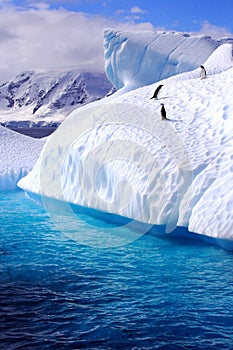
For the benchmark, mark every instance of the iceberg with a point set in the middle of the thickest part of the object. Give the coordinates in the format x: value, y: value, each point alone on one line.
x: 135, y: 59
x: 18, y: 155
x: 117, y: 155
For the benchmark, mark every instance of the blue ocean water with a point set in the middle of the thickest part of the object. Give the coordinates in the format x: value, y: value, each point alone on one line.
x: 153, y: 293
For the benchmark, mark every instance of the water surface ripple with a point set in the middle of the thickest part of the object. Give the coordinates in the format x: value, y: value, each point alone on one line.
x: 155, y: 293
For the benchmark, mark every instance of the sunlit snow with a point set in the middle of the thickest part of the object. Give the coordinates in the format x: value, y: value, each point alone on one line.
x: 135, y: 59
x: 18, y: 154
x: 117, y: 155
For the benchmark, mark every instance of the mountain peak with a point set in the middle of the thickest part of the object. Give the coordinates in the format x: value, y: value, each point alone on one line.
x: 37, y: 96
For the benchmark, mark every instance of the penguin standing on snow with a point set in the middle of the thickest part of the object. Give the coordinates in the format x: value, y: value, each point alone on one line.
x: 163, y: 112
x: 203, y: 72
x: 156, y: 92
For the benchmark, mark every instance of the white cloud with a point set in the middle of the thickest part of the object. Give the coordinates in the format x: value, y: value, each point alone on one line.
x: 120, y: 12
x: 45, y: 38
x: 39, y: 5
x: 132, y: 16
x: 137, y: 10
x: 214, y: 31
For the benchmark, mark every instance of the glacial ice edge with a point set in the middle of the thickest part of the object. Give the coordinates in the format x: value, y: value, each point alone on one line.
x: 118, y: 156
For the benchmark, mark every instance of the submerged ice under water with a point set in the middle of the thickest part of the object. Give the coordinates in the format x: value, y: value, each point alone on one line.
x: 153, y: 293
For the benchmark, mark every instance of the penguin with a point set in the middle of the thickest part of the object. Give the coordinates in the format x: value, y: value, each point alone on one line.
x: 203, y: 72
x: 156, y: 92
x: 163, y: 112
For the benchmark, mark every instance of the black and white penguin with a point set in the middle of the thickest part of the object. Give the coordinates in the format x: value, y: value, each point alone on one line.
x: 163, y: 112
x: 156, y: 92
x: 203, y: 72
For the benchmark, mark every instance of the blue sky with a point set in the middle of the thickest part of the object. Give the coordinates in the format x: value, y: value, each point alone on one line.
x: 181, y: 15
x: 47, y: 34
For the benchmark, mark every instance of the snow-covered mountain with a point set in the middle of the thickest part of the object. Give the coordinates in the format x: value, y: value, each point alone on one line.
x: 37, y: 98
x: 117, y: 154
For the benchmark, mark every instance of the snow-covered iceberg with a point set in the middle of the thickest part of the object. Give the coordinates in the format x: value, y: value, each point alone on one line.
x: 18, y: 155
x: 118, y: 156
x: 135, y: 59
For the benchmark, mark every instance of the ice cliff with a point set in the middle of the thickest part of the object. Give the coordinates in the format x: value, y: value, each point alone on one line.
x: 135, y: 59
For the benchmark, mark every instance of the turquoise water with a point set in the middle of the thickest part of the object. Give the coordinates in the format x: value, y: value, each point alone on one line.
x: 153, y: 293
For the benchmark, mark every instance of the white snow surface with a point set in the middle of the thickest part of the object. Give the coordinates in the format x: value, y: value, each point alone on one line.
x: 18, y: 155
x: 117, y: 154
x: 135, y: 59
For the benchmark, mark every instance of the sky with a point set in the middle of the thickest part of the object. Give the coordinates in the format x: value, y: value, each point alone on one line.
x: 55, y: 33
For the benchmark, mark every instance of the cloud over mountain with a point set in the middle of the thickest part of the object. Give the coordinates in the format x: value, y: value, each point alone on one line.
x: 49, y: 38
x: 40, y: 37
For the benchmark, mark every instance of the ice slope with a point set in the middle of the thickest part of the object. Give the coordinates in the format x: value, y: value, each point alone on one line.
x: 18, y: 154
x: 135, y: 59
x: 119, y: 156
